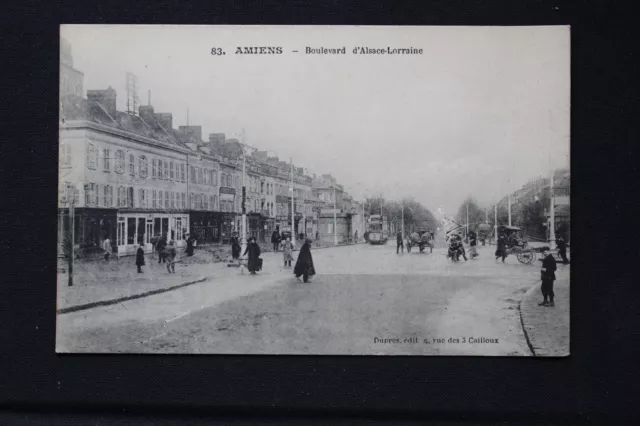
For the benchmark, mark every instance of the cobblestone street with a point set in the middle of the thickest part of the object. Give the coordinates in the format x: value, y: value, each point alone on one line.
x: 364, y: 300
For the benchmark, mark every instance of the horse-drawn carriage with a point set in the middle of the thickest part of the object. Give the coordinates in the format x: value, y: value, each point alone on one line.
x: 517, y: 244
x: 421, y: 238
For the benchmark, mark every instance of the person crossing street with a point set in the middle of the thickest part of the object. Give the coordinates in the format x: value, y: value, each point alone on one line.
x: 400, y: 243
x: 170, y: 257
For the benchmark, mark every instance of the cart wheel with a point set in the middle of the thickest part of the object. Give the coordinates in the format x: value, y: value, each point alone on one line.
x: 526, y: 257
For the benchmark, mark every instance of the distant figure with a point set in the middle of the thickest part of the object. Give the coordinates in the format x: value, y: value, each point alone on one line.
x: 275, y: 239
x: 170, y: 256
x: 287, y: 252
x: 399, y: 243
x: 562, y: 249
x: 162, y: 244
x: 253, y: 249
x: 106, y: 246
x: 235, y: 246
x: 304, y: 266
x: 473, y: 241
x: 501, y: 251
x: 317, y: 236
x: 548, y: 276
x: 190, y: 241
x: 355, y: 237
x: 140, y: 259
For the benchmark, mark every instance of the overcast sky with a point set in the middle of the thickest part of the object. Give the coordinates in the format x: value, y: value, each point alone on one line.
x: 480, y: 112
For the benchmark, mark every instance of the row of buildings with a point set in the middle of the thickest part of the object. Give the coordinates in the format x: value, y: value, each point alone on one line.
x: 536, y: 191
x: 132, y: 176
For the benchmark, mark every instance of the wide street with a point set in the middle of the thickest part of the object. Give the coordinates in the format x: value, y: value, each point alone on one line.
x: 362, y: 299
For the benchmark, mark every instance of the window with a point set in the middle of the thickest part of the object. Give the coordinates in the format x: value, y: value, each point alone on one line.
x: 171, y: 172
x: 166, y: 199
x: 206, y: 202
x: 179, y: 228
x: 214, y: 177
x: 105, y: 195
x: 121, y: 229
x: 182, y: 167
x: 154, y: 200
x: 199, y: 174
x: 106, y: 165
x: 154, y: 165
x: 141, y: 199
x: 160, y: 199
x: 223, y: 179
x: 119, y: 161
x: 173, y: 200
x: 229, y: 181
x: 192, y: 201
x: 165, y: 170
x: 130, y: 198
x: 89, y: 194
x: 215, y: 203
x: 142, y: 166
x: 184, y: 200
x: 132, y: 164
x: 92, y: 155
x: 65, y: 155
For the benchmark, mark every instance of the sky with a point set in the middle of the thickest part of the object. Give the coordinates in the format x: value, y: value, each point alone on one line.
x: 480, y: 112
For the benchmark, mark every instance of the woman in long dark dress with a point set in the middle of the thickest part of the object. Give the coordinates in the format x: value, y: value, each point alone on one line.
x: 235, y: 246
x: 304, y: 265
x: 253, y: 249
x: 190, y: 242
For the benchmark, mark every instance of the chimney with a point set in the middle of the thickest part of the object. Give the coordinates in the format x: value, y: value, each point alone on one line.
x: 166, y: 120
x: 106, y: 98
x: 147, y: 114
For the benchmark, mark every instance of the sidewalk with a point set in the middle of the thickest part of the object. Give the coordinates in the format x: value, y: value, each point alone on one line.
x: 547, y: 328
x: 97, y: 282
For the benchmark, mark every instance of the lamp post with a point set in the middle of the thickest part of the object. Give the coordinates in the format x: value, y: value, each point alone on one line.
x: 552, y: 215
x: 293, y: 236
x: 335, y: 218
x: 495, y: 222
x: 402, y: 220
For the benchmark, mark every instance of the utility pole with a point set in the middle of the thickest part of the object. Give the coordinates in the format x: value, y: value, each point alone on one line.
x: 293, y: 234
x: 243, y: 224
x: 402, y: 220
x: 363, y: 231
x: 495, y: 222
x: 509, y: 201
x: 335, y: 217
x: 552, y: 215
x: 486, y: 215
x: 467, y: 220
x: 72, y: 229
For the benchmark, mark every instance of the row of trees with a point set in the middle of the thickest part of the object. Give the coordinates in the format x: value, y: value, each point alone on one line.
x: 415, y: 214
x: 529, y: 215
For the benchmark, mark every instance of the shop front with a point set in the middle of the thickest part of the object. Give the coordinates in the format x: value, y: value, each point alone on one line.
x: 91, y: 227
x: 228, y: 218
x: 135, y: 228
x: 206, y: 227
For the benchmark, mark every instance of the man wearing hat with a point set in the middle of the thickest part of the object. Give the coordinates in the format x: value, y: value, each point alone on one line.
x: 170, y: 256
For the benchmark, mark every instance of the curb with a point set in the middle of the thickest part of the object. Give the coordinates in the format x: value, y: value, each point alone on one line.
x: 126, y: 298
x: 524, y: 329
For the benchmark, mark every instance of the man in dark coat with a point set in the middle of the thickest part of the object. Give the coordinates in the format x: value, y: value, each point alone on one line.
x: 399, y: 243
x: 304, y: 265
x: 190, y: 241
x: 275, y: 240
x: 562, y: 249
x: 235, y: 246
x: 548, y: 276
x: 140, y: 258
x: 501, y: 251
x: 162, y: 244
x: 253, y: 249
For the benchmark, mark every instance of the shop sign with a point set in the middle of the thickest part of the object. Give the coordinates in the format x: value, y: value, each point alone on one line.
x: 225, y: 190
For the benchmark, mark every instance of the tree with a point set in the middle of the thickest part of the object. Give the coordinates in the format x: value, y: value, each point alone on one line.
x: 476, y: 214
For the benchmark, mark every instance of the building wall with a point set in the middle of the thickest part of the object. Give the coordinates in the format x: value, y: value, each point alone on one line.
x: 326, y: 228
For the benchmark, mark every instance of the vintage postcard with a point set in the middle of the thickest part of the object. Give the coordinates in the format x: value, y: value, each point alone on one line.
x: 314, y: 190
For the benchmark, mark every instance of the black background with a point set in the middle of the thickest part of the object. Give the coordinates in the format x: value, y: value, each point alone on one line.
x: 597, y: 382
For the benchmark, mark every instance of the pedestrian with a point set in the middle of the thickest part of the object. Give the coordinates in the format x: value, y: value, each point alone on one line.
x: 162, y: 244
x: 304, y: 265
x: 548, y: 276
x: 562, y: 249
x: 317, y: 236
x: 355, y: 237
x: 408, y: 243
x: 287, y: 252
x: 275, y: 238
x: 190, y: 244
x: 140, y: 258
x: 253, y: 249
x: 106, y: 246
x: 461, y: 246
x: 473, y: 241
x: 170, y: 256
x: 400, y: 243
x: 235, y: 246
x: 501, y: 251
